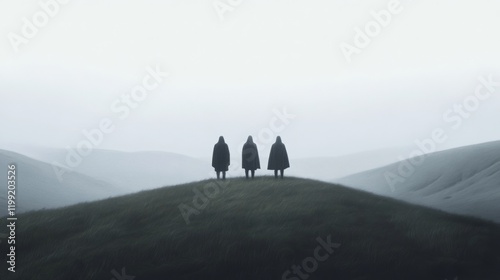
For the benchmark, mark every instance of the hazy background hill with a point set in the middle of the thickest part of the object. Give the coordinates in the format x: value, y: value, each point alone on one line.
x: 38, y: 186
x: 463, y: 180
x: 328, y: 168
x: 132, y: 171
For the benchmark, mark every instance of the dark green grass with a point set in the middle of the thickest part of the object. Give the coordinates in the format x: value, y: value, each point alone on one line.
x: 255, y: 229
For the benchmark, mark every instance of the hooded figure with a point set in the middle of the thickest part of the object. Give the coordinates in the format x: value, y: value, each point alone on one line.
x: 278, y: 158
x: 220, y: 158
x: 250, y: 157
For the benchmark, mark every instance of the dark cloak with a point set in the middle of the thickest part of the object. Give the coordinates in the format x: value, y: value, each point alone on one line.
x: 220, y: 157
x: 250, y: 156
x: 278, y: 158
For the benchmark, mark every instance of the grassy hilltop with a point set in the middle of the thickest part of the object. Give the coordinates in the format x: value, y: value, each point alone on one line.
x: 253, y: 229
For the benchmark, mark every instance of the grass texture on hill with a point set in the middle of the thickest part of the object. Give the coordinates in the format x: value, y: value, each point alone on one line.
x: 252, y: 229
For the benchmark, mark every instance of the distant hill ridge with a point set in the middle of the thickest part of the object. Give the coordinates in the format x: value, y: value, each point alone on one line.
x: 464, y: 180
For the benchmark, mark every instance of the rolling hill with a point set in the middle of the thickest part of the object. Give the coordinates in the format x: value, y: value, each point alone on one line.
x: 38, y: 186
x: 132, y: 171
x: 328, y: 168
x: 463, y: 180
x: 253, y: 229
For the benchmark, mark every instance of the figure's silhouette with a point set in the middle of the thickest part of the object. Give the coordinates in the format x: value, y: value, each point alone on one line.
x: 220, y: 158
x: 250, y: 157
x: 278, y: 158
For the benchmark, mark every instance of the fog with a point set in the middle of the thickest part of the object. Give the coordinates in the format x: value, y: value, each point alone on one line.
x: 260, y: 68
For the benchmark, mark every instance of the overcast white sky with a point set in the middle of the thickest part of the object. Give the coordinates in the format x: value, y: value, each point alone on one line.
x: 227, y: 77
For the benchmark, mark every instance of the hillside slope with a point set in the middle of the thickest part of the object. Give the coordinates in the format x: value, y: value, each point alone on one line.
x: 38, y: 186
x: 464, y: 180
x: 254, y: 229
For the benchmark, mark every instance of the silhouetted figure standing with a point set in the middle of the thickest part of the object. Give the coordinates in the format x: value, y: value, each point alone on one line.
x: 278, y: 158
x: 250, y: 157
x: 220, y: 158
